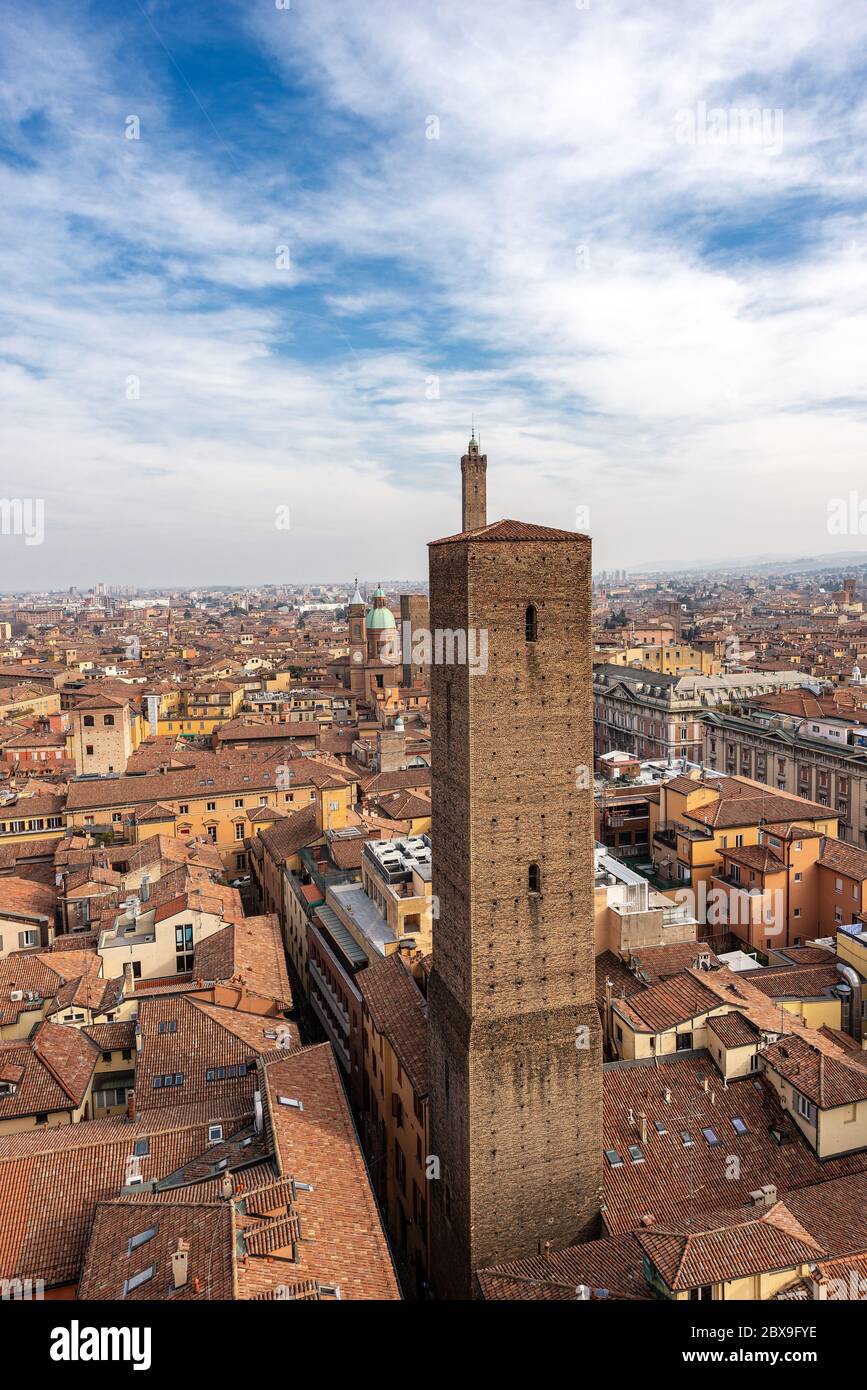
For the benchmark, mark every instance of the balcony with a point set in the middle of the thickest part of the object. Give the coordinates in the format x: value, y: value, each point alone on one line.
x: 338, y: 1042
x: 730, y: 881
x: 328, y: 993
x: 666, y: 835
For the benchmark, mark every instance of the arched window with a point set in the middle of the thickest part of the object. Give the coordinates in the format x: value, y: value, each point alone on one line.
x: 534, y: 879
x: 531, y: 623
x: 88, y: 721
x: 108, y: 719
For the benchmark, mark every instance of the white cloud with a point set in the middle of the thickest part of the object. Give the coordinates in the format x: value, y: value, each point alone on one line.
x: 545, y: 259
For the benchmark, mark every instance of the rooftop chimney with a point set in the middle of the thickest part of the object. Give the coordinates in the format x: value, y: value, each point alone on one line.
x: 180, y: 1263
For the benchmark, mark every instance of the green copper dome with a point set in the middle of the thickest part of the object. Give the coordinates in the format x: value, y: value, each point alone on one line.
x: 379, y: 618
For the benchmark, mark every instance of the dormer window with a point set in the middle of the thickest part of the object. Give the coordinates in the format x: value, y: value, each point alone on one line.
x: 531, y: 623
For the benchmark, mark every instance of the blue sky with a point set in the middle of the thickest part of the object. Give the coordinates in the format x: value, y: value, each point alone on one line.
x: 653, y: 302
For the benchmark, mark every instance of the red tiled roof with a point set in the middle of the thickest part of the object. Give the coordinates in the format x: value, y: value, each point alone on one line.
x: 827, y: 1081
x: 398, y: 1009
x: 319, y: 1145
x: 511, y: 531
x: 614, y: 1264
x: 729, y: 1245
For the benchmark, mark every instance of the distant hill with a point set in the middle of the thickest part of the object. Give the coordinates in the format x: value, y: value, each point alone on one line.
x: 762, y: 564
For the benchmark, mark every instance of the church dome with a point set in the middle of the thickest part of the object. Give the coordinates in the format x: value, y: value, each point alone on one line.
x: 379, y: 618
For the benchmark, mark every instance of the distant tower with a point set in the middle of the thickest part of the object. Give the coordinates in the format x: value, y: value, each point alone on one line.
x: 515, y: 1041
x: 357, y: 642
x: 474, y: 467
x: 414, y: 618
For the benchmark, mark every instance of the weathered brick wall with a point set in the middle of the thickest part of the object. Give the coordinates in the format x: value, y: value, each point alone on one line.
x: 512, y: 1007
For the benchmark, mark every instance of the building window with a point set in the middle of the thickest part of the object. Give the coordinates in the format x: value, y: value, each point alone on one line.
x: 184, y: 948
x: 88, y: 721
x: 108, y: 719
x: 534, y: 879
x: 531, y: 623
x: 400, y: 1167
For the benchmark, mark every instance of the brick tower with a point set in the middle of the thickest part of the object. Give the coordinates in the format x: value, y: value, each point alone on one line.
x: 516, y: 1068
x: 474, y: 467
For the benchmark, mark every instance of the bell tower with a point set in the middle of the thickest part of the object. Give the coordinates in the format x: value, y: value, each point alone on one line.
x: 474, y: 467
x: 357, y: 642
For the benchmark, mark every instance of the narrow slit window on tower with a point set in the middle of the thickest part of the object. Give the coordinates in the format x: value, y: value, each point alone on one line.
x: 531, y: 622
x: 534, y: 879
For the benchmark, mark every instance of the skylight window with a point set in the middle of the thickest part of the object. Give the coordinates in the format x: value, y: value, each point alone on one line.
x: 635, y: 1153
x: 136, y: 1280
x: 293, y: 1104
x: 686, y: 1139
x: 738, y: 1125
x: 659, y: 1127
x: 614, y: 1159
x: 710, y: 1136
x: 141, y: 1239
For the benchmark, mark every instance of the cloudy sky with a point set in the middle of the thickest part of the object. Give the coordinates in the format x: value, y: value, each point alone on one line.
x: 255, y: 258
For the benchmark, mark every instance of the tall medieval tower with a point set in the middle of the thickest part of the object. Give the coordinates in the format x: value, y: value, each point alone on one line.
x: 516, y: 1071
x: 474, y: 467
